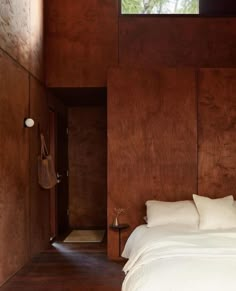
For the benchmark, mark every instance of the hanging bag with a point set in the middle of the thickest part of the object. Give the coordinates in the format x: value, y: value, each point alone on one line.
x: 46, y: 170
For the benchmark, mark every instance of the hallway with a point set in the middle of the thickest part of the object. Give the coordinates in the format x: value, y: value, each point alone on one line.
x: 69, y: 267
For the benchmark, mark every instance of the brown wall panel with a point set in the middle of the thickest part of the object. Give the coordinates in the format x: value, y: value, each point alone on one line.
x: 36, y: 62
x: 177, y: 41
x: 217, y: 139
x: 15, y: 29
x: 39, y: 199
x: 14, y: 170
x: 152, y: 142
x: 21, y: 37
x: 87, y: 166
x: 21, y: 33
x: 81, y: 42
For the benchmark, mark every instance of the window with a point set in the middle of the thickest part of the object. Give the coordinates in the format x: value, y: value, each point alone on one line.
x: 159, y: 6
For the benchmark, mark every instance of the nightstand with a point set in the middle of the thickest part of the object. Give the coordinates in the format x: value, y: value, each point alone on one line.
x: 119, y: 228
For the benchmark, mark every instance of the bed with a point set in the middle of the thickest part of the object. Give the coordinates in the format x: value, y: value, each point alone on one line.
x: 177, y: 256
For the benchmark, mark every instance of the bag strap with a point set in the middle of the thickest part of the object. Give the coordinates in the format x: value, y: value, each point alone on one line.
x: 44, y: 150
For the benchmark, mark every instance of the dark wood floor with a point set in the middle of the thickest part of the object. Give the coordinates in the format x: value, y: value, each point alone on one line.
x: 69, y: 267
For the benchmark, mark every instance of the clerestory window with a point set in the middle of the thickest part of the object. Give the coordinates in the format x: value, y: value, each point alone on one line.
x: 159, y: 6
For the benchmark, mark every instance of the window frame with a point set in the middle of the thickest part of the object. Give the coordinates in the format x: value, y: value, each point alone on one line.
x: 200, y: 14
x: 156, y: 15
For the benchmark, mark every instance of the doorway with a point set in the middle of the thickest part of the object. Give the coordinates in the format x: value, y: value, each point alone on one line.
x: 87, y: 167
x: 59, y: 194
x: 79, y: 144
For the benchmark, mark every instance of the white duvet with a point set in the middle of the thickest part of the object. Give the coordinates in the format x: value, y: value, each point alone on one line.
x: 177, y: 259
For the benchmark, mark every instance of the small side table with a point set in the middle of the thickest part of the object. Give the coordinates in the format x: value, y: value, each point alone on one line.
x: 119, y: 228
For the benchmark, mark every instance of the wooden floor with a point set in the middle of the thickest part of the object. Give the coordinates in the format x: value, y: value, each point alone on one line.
x: 69, y: 267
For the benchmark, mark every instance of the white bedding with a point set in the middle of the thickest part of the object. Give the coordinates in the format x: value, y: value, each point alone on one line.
x: 174, y: 258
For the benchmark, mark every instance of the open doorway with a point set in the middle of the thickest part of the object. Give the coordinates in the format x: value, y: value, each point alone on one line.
x: 79, y: 201
x: 87, y: 167
x: 62, y: 174
x: 59, y: 194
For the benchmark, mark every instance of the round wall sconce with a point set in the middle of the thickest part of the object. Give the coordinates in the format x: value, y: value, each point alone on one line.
x: 28, y: 122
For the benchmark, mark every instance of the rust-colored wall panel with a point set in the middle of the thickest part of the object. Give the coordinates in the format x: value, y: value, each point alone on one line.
x: 177, y: 41
x: 15, y: 29
x: 21, y: 37
x: 39, y: 199
x: 217, y: 138
x: 152, y: 142
x: 14, y: 171
x: 21, y: 33
x: 82, y: 42
x: 36, y: 63
x: 87, y: 166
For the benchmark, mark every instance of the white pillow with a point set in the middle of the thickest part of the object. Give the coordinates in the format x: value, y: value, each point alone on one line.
x: 216, y: 213
x: 180, y: 212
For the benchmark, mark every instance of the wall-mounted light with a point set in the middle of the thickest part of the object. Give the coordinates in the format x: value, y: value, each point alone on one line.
x: 28, y: 122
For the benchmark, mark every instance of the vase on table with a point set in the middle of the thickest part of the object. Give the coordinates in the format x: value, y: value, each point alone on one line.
x: 115, y: 221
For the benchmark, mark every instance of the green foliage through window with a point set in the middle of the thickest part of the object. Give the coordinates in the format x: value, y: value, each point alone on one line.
x: 160, y: 6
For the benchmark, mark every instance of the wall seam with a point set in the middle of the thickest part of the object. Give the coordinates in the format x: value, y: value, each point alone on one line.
x: 21, y: 66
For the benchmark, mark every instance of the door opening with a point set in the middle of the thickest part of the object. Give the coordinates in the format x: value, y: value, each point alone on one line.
x: 53, y: 196
x: 59, y: 194
x: 62, y: 170
x: 87, y: 167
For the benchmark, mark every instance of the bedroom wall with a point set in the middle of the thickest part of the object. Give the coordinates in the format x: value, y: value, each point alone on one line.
x: 39, y: 198
x: 21, y: 31
x: 85, y: 38
x: 75, y: 59
x: 152, y: 149
x: 216, y: 132
x: 23, y: 229
x: 14, y: 178
x: 173, y: 136
x: 87, y: 167
x: 81, y: 42
x: 177, y: 41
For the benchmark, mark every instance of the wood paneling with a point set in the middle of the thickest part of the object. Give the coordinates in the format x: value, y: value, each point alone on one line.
x: 14, y: 171
x: 177, y: 41
x: 23, y: 228
x: 82, y: 42
x: 21, y: 33
x: 39, y: 199
x: 152, y: 141
x: 87, y: 166
x: 36, y: 62
x: 217, y: 139
x: 15, y: 29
